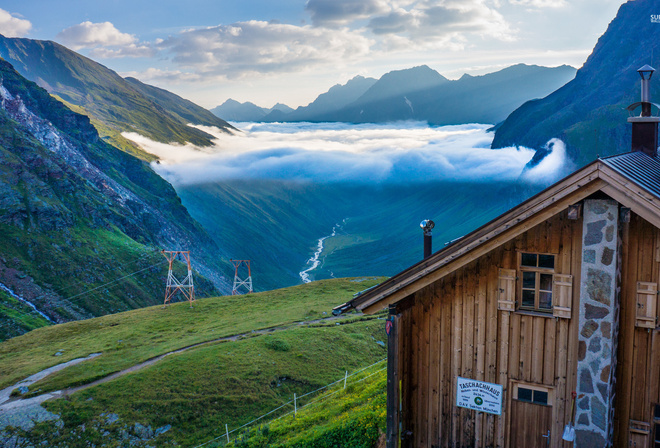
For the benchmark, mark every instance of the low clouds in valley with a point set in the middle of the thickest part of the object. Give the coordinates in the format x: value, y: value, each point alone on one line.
x: 337, y: 152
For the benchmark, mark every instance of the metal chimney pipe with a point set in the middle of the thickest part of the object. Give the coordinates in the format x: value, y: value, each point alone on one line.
x: 644, y: 126
x: 427, y: 226
x: 646, y: 72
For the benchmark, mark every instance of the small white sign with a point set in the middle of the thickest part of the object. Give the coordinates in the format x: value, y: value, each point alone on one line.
x: 479, y: 396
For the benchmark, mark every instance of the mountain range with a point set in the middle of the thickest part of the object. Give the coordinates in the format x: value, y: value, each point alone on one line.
x: 588, y: 113
x: 420, y: 93
x: 232, y: 110
x: 77, y: 213
x: 114, y: 104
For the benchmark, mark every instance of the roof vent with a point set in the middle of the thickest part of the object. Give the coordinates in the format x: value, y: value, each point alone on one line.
x: 645, y: 126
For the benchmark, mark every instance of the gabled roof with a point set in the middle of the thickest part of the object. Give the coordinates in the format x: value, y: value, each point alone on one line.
x: 632, y: 179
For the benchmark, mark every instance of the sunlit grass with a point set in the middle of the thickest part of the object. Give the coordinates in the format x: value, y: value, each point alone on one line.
x: 128, y: 338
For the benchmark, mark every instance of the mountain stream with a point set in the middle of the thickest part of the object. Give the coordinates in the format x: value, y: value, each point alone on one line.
x: 314, y: 262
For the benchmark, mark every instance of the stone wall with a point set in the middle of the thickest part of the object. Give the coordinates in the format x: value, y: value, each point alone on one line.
x: 598, y: 325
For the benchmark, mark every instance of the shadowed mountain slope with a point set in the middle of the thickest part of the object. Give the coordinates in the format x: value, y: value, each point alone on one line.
x: 588, y: 113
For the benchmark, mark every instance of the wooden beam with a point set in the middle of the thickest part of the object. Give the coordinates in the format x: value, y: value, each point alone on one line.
x: 392, y: 438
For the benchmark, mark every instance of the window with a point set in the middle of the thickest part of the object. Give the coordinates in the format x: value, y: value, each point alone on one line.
x: 535, y: 286
x: 536, y: 273
x: 532, y: 393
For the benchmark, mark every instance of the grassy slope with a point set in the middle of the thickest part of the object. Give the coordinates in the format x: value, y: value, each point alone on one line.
x: 14, y: 313
x: 200, y: 390
x: 131, y: 337
x: 186, y: 111
x: 110, y: 134
x: 352, y: 417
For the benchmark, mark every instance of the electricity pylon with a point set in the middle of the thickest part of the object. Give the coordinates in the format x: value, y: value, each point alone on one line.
x: 186, y: 286
x: 238, y: 282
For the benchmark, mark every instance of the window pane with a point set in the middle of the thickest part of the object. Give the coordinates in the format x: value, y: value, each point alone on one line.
x: 656, y: 411
x: 528, y: 260
x: 524, y: 394
x: 528, y: 298
x: 545, y: 300
x: 529, y: 280
x: 540, y: 397
x: 546, y: 282
x: 657, y: 434
x: 547, y: 261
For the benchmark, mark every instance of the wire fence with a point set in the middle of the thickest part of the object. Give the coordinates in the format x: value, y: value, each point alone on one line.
x: 293, y: 402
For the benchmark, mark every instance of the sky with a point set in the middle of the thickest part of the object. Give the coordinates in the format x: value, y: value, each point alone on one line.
x: 290, y: 51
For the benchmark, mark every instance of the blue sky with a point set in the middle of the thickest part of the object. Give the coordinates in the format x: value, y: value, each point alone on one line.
x: 290, y: 51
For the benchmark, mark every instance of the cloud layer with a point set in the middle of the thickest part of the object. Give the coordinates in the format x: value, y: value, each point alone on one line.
x: 11, y: 26
x: 337, y: 152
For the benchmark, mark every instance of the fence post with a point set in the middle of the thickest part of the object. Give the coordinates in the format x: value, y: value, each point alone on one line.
x: 345, y: 378
x: 295, y: 405
x: 227, y: 430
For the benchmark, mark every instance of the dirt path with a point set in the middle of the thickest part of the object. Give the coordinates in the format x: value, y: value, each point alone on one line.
x: 12, y: 405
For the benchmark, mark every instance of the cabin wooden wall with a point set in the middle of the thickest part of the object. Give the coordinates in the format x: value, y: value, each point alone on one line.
x: 638, y: 371
x: 455, y: 329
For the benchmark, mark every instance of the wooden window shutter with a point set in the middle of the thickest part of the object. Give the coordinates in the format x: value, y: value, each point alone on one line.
x: 647, y: 296
x: 562, y: 299
x: 507, y: 290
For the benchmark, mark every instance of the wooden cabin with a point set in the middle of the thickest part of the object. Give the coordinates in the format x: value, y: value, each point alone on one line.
x: 492, y: 337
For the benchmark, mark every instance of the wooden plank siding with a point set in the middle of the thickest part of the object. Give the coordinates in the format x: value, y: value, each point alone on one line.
x: 466, y: 335
x: 454, y: 328
x: 638, y: 366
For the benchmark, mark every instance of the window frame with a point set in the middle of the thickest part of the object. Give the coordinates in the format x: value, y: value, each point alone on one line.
x: 548, y: 390
x: 538, y: 271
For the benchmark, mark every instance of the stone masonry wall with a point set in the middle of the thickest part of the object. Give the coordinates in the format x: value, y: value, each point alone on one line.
x: 598, y: 325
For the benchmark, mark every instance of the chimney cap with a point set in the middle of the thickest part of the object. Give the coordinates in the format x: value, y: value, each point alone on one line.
x: 427, y: 225
x: 644, y: 70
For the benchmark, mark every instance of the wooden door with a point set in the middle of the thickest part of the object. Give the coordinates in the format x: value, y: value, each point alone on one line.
x: 530, y: 425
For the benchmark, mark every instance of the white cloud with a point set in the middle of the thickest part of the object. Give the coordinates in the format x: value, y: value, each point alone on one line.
x: 554, y: 163
x: 246, y: 48
x: 88, y: 35
x: 337, y: 152
x: 11, y: 26
x: 439, y: 24
x: 104, y: 40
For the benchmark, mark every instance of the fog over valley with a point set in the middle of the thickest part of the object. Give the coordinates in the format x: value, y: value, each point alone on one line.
x: 403, y: 152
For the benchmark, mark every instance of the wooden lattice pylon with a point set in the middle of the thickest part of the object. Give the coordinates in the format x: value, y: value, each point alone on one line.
x: 238, y: 282
x: 186, y: 287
